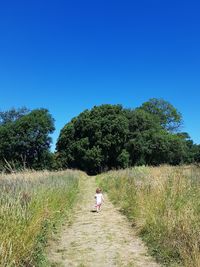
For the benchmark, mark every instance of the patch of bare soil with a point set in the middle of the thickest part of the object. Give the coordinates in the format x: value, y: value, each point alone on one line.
x: 102, y: 239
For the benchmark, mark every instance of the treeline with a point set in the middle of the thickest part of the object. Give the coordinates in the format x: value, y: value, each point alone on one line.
x: 105, y: 137
x: 24, y: 139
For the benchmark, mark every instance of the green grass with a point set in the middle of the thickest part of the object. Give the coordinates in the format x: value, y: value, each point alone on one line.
x: 164, y: 206
x: 32, y: 206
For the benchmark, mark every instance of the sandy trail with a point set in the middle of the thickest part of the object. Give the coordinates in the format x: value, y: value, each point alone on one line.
x: 102, y: 239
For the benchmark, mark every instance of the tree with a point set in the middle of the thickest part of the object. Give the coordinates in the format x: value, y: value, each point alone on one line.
x: 167, y: 148
x: 110, y: 136
x: 25, y: 141
x: 94, y: 140
x: 142, y: 126
x: 196, y: 153
x: 12, y: 115
x: 190, y: 147
x: 151, y: 144
x: 165, y: 113
x: 123, y: 159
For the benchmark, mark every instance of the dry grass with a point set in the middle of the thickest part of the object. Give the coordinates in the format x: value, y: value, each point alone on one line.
x: 31, y: 204
x: 164, y: 204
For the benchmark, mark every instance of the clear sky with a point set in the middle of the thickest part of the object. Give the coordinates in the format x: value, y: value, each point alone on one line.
x: 68, y: 56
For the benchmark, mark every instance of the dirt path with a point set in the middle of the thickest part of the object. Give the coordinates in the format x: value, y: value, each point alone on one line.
x: 102, y: 239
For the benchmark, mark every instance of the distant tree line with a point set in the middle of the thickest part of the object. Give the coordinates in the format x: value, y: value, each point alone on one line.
x: 103, y: 138
x: 110, y: 136
x: 24, y: 139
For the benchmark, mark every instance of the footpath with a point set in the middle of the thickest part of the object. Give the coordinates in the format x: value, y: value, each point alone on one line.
x: 103, y: 239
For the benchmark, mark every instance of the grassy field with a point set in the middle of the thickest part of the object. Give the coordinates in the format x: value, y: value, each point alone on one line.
x: 32, y: 205
x: 163, y: 204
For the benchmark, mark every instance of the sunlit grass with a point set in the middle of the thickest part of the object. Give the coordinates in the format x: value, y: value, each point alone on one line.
x: 164, y: 205
x: 31, y: 205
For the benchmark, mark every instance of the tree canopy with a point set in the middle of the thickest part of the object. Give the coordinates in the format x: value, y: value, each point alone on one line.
x: 95, y: 139
x: 12, y: 115
x: 110, y: 136
x: 166, y: 114
x: 103, y: 138
x: 24, y: 138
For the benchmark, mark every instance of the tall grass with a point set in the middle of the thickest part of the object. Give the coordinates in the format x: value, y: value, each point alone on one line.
x: 164, y: 205
x: 31, y: 205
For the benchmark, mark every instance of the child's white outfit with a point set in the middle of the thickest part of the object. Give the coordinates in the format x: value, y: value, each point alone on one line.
x: 99, y: 200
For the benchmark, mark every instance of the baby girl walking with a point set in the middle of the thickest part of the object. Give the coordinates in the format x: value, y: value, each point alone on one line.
x: 99, y: 199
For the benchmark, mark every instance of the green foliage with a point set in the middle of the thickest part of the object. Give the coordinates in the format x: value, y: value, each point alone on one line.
x: 94, y: 140
x: 110, y: 136
x: 123, y: 159
x: 25, y: 141
x: 103, y: 138
x: 166, y: 114
x: 12, y: 115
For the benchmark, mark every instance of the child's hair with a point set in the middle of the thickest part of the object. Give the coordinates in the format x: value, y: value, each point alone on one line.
x: 98, y: 190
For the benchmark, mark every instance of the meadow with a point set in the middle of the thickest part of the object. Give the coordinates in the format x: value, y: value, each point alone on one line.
x: 32, y: 206
x: 163, y: 205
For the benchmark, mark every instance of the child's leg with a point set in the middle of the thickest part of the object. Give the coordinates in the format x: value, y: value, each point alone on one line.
x: 98, y: 208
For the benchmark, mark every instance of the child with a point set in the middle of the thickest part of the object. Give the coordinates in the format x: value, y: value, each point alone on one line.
x: 99, y: 199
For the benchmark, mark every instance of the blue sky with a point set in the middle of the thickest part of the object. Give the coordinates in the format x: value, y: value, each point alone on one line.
x: 68, y: 56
